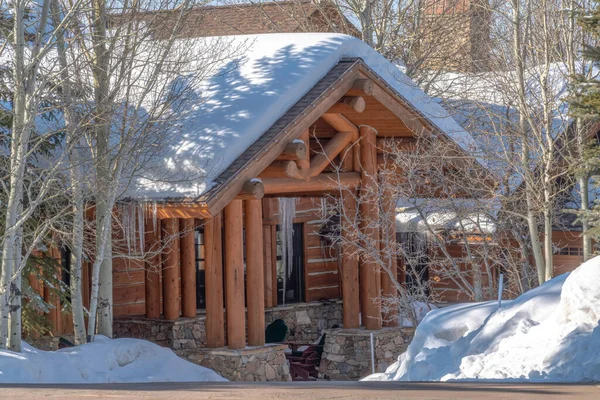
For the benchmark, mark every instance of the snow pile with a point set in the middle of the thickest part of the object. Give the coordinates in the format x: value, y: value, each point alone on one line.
x: 550, y: 333
x: 104, y: 361
x: 418, y: 310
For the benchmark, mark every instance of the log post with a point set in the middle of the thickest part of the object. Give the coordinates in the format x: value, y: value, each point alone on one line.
x: 188, y: 268
x: 274, y: 258
x: 152, y: 267
x: 269, y: 265
x: 351, y: 307
x: 171, y: 269
x: 255, y: 272
x: 370, y: 275
x: 54, y: 315
x: 389, y: 275
x: 215, y: 322
x: 253, y: 189
x: 234, y: 275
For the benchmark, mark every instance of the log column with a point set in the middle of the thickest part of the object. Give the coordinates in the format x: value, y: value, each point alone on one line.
x: 389, y: 276
x: 370, y: 275
x: 152, y: 267
x: 234, y: 275
x: 188, y: 268
x: 171, y: 269
x: 351, y: 308
x: 255, y: 272
x: 215, y: 322
x: 50, y: 296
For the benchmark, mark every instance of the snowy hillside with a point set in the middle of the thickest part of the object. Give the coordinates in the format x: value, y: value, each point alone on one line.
x: 104, y: 361
x: 550, y: 334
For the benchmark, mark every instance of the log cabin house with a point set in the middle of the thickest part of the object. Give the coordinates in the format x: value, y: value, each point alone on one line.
x: 298, y: 116
x: 466, y: 53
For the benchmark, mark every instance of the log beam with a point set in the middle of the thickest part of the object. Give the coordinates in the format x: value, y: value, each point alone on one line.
x: 341, y: 124
x: 370, y: 275
x: 331, y: 149
x: 152, y: 267
x: 171, y: 269
x: 350, y: 288
x: 255, y: 275
x: 234, y: 275
x: 321, y: 183
x: 294, y: 151
x: 188, y: 268
x: 364, y: 85
x: 253, y: 189
x: 282, y: 169
x: 389, y: 273
x: 349, y: 103
x: 213, y: 244
x: 182, y: 210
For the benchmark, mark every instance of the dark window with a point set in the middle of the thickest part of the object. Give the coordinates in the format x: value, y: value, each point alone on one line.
x: 294, y: 279
x: 414, y: 254
x: 65, y: 263
x: 200, y: 269
x: 570, y: 251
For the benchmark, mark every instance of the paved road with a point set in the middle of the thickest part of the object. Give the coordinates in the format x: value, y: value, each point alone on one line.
x: 305, y: 391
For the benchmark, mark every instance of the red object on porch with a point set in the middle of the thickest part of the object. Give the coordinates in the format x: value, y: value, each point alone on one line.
x: 304, y: 367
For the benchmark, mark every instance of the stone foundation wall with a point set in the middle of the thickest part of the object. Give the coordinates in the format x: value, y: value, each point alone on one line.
x: 185, y: 333
x: 253, y: 364
x: 306, y: 322
x: 347, y: 352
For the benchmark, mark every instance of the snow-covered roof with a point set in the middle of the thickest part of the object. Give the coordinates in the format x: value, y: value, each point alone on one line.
x: 485, y: 104
x: 465, y: 215
x: 247, y: 94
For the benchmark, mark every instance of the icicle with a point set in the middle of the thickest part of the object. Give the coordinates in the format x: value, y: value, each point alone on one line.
x: 132, y: 222
x: 287, y: 212
x: 132, y: 230
x: 141, y: 226
x: 154, y: 215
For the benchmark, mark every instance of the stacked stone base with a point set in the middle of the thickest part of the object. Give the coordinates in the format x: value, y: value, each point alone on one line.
x: 252, y: 364
x: 347, y: 352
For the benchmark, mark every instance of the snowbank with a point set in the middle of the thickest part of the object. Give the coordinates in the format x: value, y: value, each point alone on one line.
x: 104, y: 361
x: 550, y: 333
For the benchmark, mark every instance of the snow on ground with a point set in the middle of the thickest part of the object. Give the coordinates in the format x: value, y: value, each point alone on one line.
x: 419, y: 310
x: 103, y: 361
x: 550, y: 333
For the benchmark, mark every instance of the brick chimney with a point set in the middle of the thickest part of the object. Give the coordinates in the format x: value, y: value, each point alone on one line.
x: 456, y: 35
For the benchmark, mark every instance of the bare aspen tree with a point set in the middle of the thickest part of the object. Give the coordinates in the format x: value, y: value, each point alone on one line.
x: 30, y: 186
x: 76, y: 177
x: 140, y: 86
